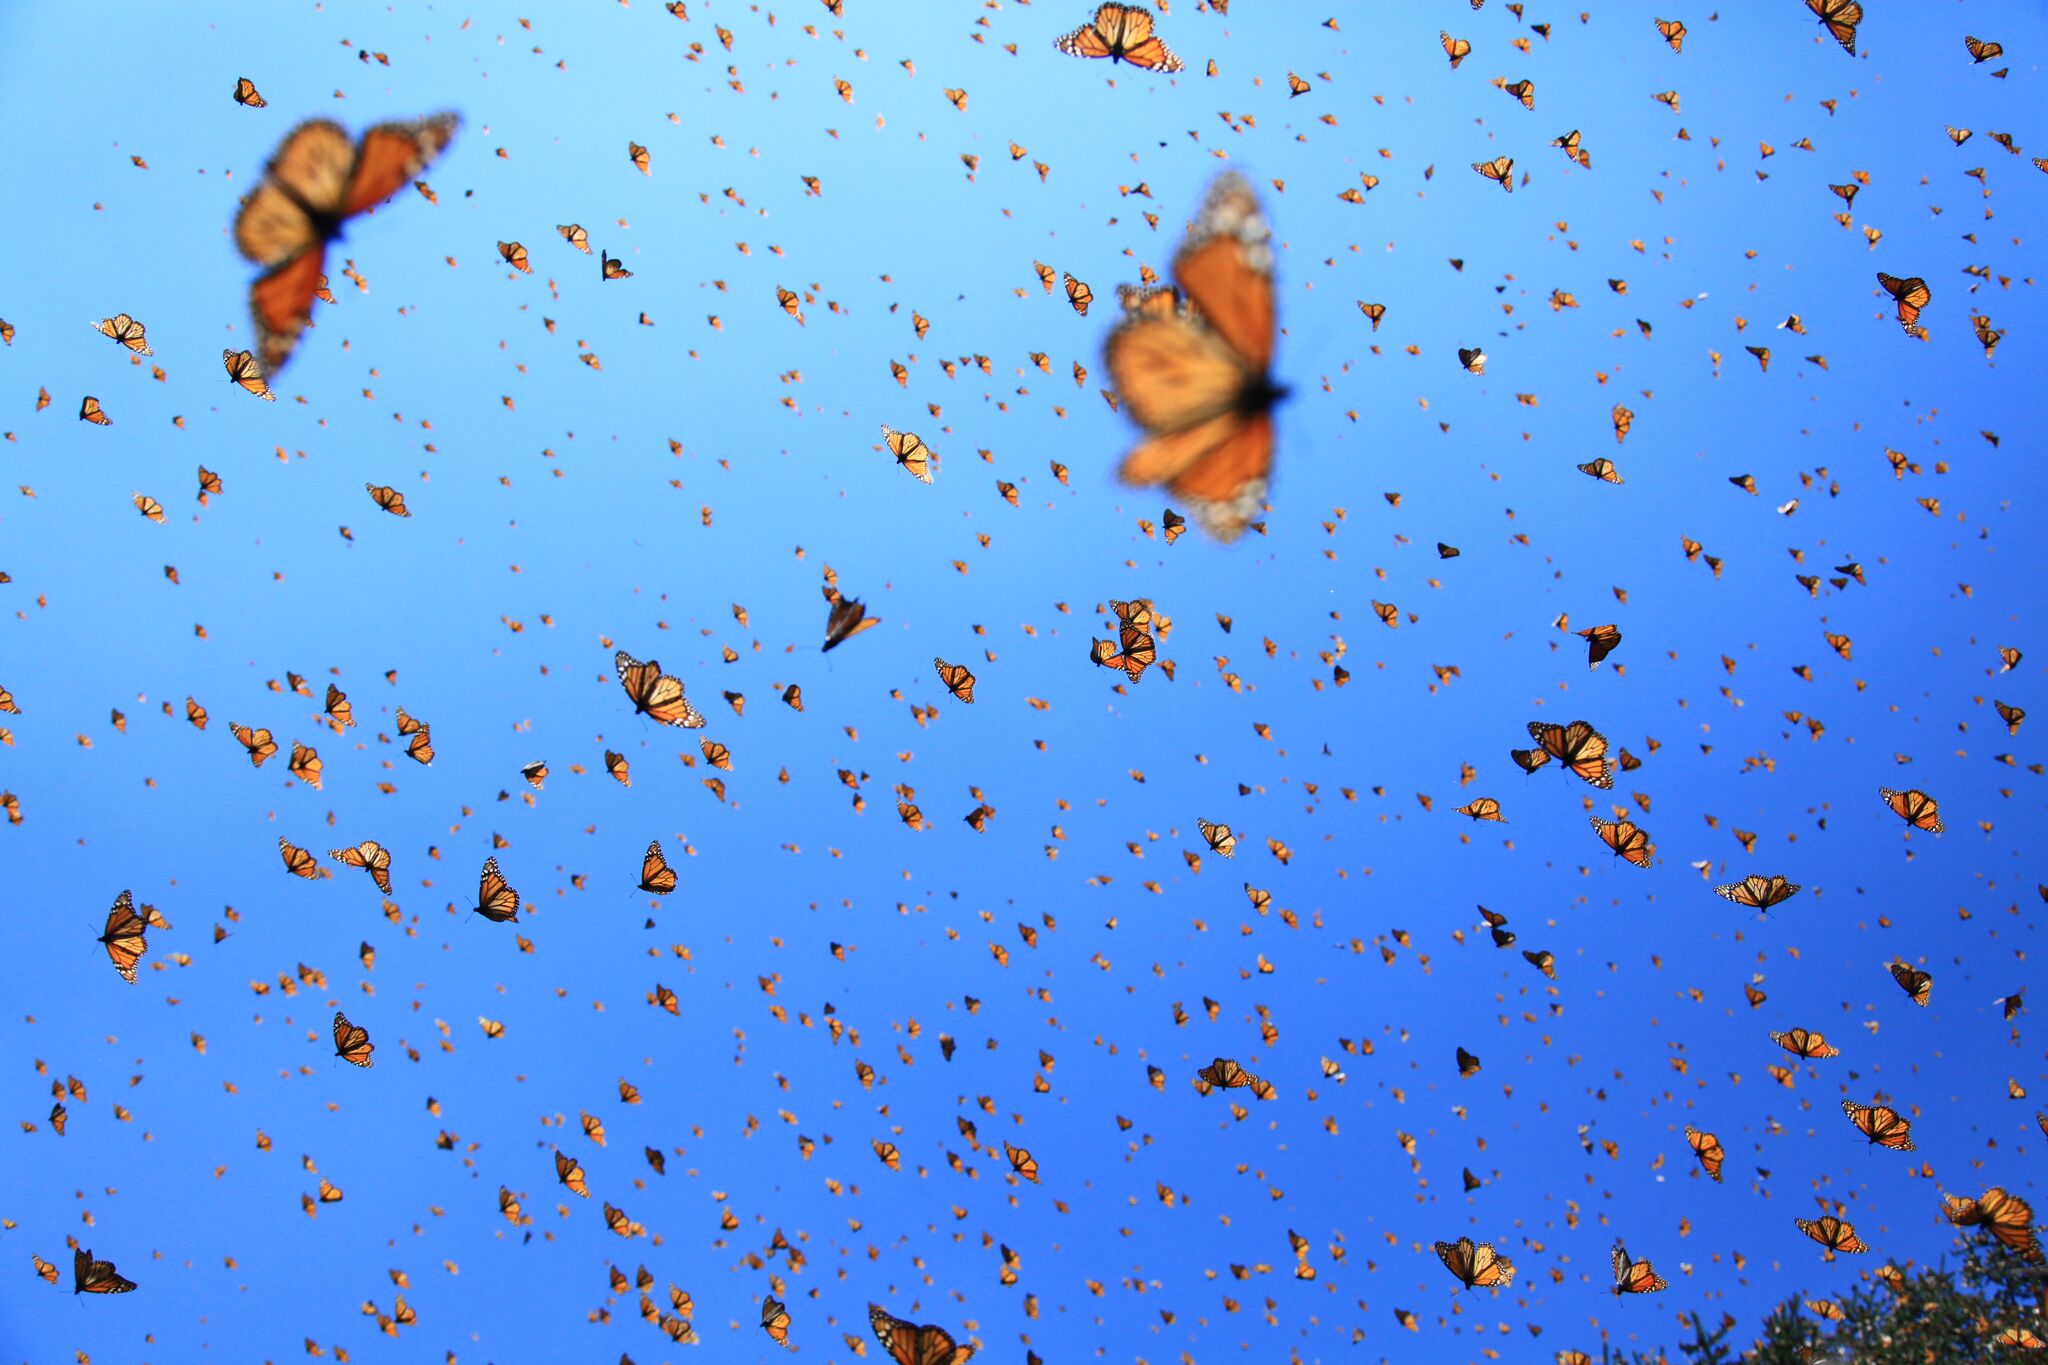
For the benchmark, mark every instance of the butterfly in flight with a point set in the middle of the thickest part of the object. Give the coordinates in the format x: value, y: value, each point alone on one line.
x: 1196, y: 381
x: 316, y: 181
x: 909, y: 1344
x: 352, y: 1041
x: 96, y: 1277
x: 1122, y: 33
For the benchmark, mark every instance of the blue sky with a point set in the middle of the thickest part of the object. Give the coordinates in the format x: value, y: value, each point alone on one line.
x: 553, y: 523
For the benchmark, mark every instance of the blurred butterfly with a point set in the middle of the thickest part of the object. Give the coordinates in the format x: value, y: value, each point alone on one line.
x: 1225, y: 1074
x: 1122, y: 33
x: 1457, y: 49
x: 372, y: 857
x: 909, y: 1344
x: 90, y: 411
x: 1881, y: 1125
x: 298, y: 861
x: 1708, y: 1149
x: 314, y: 184
x: 1219, y: 837
x: 570, y: 1173
x: 1581, y: 748
x: 1982, y: 51
x: 95, y: 1277
x: 125, y: 936
x: 2009, y: 1217
x: 1626, y: 840
x: 1477, y: 1265
x: 575, y: 236
x: 1601, y: 641
x: 1634, y: 1277
x: 1759, y: 892
x: 1197, y: 384
x: 496, y: 901
x: 242, y: 369
x: 515, y: 256
x: 259, y: 743
x: 1022, y: 1162
x: 127, y: 331
x: 1482, y: 808
x: 245, y: 93
x: 656, y: 694
x: 917, y: 458
x: 351, y: 1042
x: 149, y: 507
x: 389, y: 499
x: 775, y: 1321
x: 656, y: 875
x: 1673, y: 32
x: 1914, y: 806
x: 1500, y: 170
x: 1914, y: 982
x: 1602, y: 469
x: 1079, y: 295
x: 846, y: 619
x: 306, y: 764
x: 337, y: 707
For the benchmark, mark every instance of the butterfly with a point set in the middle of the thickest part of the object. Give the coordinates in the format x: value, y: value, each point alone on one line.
x: 1805, y: 1043
x: 1634, y: 1277
x: 372, y: 857
x: 619, y: 768
x: 1122, y: 33
x: 496, y: 901
x: 1758, y: 891
x: 1602, y: 469
x: 1500, y: 170
x: 242, y: 369
x: 1981, y: 50
x: 95, y: 1277
x: 1525, y: 91
x: 1219, y: 837
x: 775, y: 1321
x: 1079, y: 295
x: 259, y: 743
x: 917, y: 458
x: 1543, y: 960
x: 90, y: 411
x: 127, y: 331
x: 297, y: 861
x: 575, y: 236
x: 389, y: 499
x: 515, y: 256
x: 1197, y: 383
x: 569, y: 1172
x: 1477, y: 1265
x: 125, y: 936
x: 957, y: 679
x: 1882, y: 1126
x: 1708, y: 1149
x: 656, y: 875
x: 846, y: 619
x: 337, y: 707
x: 352, y: 1042
x: 1915, y: 807
x: 1673, y: 32
x: 910, y: 1344
x: 149, y: 507
x: 609, y: 267
x: 656, y: 694
x: 887, y: 1154
x: 1482, y: 808
x: 314, y: 184
x: 1601, y: 641
x: 1022, y: 1162
x: 2010, y: 1218
x: 618, y: 1222
x: 1913, y: 982
x: 1832, y: 1233
x: 1910, y: 294
x: 306, y: 764
x: 1457, y: 49
x: 1626, y: 840
x: 1581, y: 748
x: 245, y: 93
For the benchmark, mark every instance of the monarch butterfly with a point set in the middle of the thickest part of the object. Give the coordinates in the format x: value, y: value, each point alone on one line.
x: 1833, y: 1234
x: 390, y: 499
x: 887, y: 1154
x: 314, y: 184
x: 496, y: 901
x: 1528, y: 760
x: 1758, y: 891
x: 656, y: 694
x: 337, y: 706
x: 306, y: 764
x: 957, y: 98
x: 610, y: 267
x: 1374, y: 312
x: 570, y: 1173
x: 352, y: 1042
x: 1500, y: 170
x: 1197, y: 384
x: 1482, y: 808
x: 1982, y: 51
x: 1477, y: 1265
x: 775, y: 1321
x: 1122, y: 33
x: 2010, y: 1218
x: 1626, y: 840
x: 1601, y: 641
x: 125, y: 936
x: 637, y: 154
x: 1172, y: 525
x: 1525, y: 91
x: 909, y: 1344
x: 2024, y: 1338
x: 1224, y: 1074
x: 1914, y: 806
x: 957, y: 679
x: 126, y: 331
x: 1022, y: 1162
x: 90, y: 411
x: 95, y: 1277
x: 1468, y: 1063
x: 656, y: 875
x: 575, y: 236
x: 1674, y: 33
x: 1296, y: 86
x: 246, y: 94
x: 515, y: 256
x: 1079, y: 295
x: 1914, y: 982
x: 1457, y: 49
x: 149, y: 507
x: 1473, y: 359
x: 1881, y: 1125
x: 917, y: 458
x: 1910, y: 294
x: 536, y: 774
x: 1707, y: 1148
x: 1581, y: 748
x: 259, y: 743
x: 1220, y: 837
x: 1805, y: 1043
x: 242, y: 369
x: 1633, y: 1276
x: 421, y: 749
x: 618, y: 1222
x: 298, y: 861
x: 846, y: 619
x: 372, y: 857
x: 619, y: 768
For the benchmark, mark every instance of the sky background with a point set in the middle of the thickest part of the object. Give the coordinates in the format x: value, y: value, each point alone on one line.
x: 560, y: 511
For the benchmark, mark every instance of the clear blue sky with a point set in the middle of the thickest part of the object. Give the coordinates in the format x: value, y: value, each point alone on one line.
x: 552, y: 523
